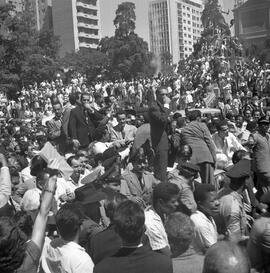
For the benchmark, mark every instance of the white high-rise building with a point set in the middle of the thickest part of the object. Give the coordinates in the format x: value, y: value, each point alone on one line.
x: 77, y: 22
x: 175, y: 26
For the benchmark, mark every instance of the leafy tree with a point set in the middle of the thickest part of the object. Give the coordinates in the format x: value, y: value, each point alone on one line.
x: 128, y: 53
x: 90, y: 62
x: 22, y: 59
x: 166, y: 63
x: 124, y: 21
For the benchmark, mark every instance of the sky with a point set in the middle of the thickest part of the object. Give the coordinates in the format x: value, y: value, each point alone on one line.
x: 108, y: 8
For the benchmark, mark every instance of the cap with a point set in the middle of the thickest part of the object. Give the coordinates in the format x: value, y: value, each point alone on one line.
x: 263, y: 120
x: 112, y: 175
x: 240, y: 170
x: 266, y: 198
x: 188, y: 168
x: 89, y: 194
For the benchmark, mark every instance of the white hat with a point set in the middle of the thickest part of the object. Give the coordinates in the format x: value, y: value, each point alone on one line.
x: 31, y: 200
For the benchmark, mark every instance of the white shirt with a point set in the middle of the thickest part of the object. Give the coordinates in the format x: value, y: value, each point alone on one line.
x: 205, y: 232
x: 66, y: 257
x: 155, y: 230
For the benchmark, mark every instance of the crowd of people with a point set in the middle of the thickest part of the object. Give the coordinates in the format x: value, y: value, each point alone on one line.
x: 138, y: 176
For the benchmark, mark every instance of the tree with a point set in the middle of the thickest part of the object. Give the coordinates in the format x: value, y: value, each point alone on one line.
x: 90, y: 62
x: 25, y: 54
x: 166, y: 63
x: 127, y: 52
x: 124, y: 21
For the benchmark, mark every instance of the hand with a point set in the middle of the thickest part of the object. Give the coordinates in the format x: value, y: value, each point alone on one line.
x: 51, y: 184
x: 166, y: 100
x: 76, y: 143
x: 3, y: 160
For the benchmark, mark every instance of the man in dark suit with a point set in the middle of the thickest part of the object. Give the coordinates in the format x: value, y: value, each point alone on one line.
x: 133, y: 256
x: 158, y: 116
x: 197, y: 136
x: 83, y: 122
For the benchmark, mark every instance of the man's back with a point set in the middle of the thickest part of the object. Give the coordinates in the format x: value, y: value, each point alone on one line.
x: 135, y: 260
x: 197, y: 135
x: 60, y: 256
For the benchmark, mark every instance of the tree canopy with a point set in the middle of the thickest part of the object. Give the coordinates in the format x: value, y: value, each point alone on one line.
x: 127, y: 52
x: 25, y: 54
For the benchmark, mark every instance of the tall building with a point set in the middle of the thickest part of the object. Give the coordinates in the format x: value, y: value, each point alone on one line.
x: 238, y: 3
x: 77, y: 23
x: 252, y: 22
x: 41, y: 10
x: 175, y: 26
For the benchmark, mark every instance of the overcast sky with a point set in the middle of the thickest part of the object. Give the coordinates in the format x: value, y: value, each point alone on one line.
x: 108, y: 8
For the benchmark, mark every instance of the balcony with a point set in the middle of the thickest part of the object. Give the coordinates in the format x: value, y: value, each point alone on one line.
x: 81, y: 24
x: 85, y: 15
x: 87, y: 6
x: 86, y: 35
x: 83, y: 44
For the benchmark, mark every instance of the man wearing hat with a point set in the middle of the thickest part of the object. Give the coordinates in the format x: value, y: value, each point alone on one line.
x: 184, y: 177
x: 259, y: 243
x: 232, y: 205
x: 260, y: 142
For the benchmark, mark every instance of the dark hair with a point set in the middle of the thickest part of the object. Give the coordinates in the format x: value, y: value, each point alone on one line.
x: 164, y: 191
x: 72, y: 98
x: 12, y: 246
x: 238, y: 155
x: 221, y: 123
x: 55, y: 102
x: 68, y: 220
x: 112, y: 201
x: 180, y: 230
x: 218, y: 259
x: 100, y: 132
x: 201, y: 191
x: 176, y: 116
x: 24, y: 222
x: 129, y: 221
x: 69, y: 161
x: 193, y: 115
x: 38, y: 164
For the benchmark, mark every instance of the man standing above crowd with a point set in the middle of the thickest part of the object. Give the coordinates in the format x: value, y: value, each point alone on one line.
x: 122, y: 133
x: 197, y: 135
x: 158, y: 115
x: 83, y: 122
x: 260, y: 141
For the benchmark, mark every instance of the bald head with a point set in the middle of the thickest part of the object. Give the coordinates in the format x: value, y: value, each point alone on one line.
x: 226, y: 257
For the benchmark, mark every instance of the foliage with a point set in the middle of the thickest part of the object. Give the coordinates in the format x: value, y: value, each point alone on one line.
x: 90, y: 62
x: 166, y: 63
x: 128, y: 53
x: 25, y: 54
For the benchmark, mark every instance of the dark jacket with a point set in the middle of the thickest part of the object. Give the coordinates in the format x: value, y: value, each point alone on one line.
x: 82, y: 125
x: 135, y: 260
x: 197, y: 136
x: 158, y: 116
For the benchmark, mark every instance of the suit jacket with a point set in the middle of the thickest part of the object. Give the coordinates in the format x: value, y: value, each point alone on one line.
x: 82, y: 125
x: 104, y: 244
x: 54, y: 128
x: 131, y: 187
x: 158, y: 116
x: 129, y: 132
x: 135, y: 260
x: 197, y: 135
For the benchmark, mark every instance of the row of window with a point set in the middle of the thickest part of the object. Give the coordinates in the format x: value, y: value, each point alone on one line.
x: 88, y: 30
x: 87, y: 21
x: 88, y: 40
x: 87, y: 11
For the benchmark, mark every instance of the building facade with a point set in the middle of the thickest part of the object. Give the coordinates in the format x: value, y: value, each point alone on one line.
x: 77, y: 23
x: 252, y: 21
x: 175, y: 26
